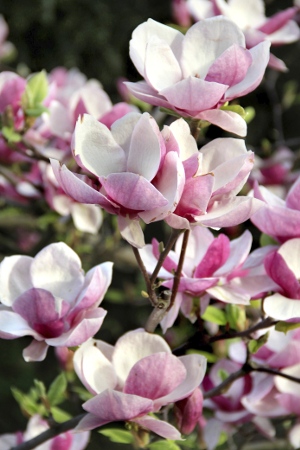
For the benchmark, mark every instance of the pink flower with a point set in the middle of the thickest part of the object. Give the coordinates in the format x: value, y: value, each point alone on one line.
x: 196, y: 74
x: 36, y: 425
x: 138, y: 176
x: 213, y: 266
x: 137, y: 376
x: 12, y: 86
x: 6, y: 48
x: 277, y: 217
x: 180, y: 13
x: 283, y: 267
x: 49, y: 298
x: 213, y: 177
x: 188, y: 411
x: 250, y: 17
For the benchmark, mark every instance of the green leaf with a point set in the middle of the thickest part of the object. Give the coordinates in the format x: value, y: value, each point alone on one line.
x: 255, y: 344
x: 211, y: 358
x: 37, y: 88
x: 37, y: 111
x: 117, y: 435
x: 238, y: 109
x: 27, y: 403
x: 59, y: 415
x: 265, y: 239
x: 163, y: 445
x: 286, y: 326
x: 236, y: 316
x: 215, y: 315
x: 57, y: 389
x: 10, y: 134
x: 223, y: 374
x: 40, y: 388
x: 249, y: 114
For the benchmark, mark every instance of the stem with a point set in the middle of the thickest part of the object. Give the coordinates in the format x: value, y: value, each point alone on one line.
x: 49, y: 434
x: 173, y: 236
x: 222, y: 387
x: 266, y: 323
x: 158, y: 312
x: 150, y: 290
x: 179, y: 268
x: 276, y: 373
x: 195, y: 128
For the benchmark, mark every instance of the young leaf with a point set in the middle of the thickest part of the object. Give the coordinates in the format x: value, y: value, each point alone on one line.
x: 57, y: 389
x: 286, y: 326
x: 117, y: 435
x: 59, y: 415
x: 10, y: 135
x: 209, y: 356
x: 215, y: 315
x: 235, y: 316
x: 255, y: 344
x: 163, y: 445
x: 37, y: 88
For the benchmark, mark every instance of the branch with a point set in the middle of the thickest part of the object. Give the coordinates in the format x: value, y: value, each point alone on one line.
x: 173, y: 236
x: 266, y: 323
x: 55, y: 430
x: 221, y: 388
x: 179, y: 267
x: 150, y: 290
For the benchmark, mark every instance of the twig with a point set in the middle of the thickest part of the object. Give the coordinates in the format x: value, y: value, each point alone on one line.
x: 173, y: 236
x: 158, y: 312
x: 266, y: 323
x: 222, y: 387
x: 49, y: 434
x: 179, y: 267
x: 150, y: 290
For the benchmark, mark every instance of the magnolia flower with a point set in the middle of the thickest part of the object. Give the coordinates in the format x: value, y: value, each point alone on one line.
x: 277, y: 217
x: 188, y: 411
x: 213, y: 266
x: 213, y: 178
x: 6, y: 47
x: 36, y: 425
x: 283, y: 267
x: 12, y: 87
x: 137, y: 376
x: 250, y: 17
x: 196, y: 74
x: 49, y: 298
x: 139, y: 175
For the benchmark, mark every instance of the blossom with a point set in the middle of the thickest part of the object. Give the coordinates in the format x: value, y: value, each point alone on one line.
x: 6, y: 47
x: 213, y: 267
x: 188, y: 411
x: 49, y: 298
x: 278, y: 218
x: 213, y: 178
x: 250, y: 16
x: 138, y: 176
x: 36, y: 425
x: 137, y: 376
x: 196, y: 74
x: 283, y: 267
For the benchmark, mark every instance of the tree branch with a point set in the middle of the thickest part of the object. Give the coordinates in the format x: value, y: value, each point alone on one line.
x: 179, y: 267
x: 55, y: 430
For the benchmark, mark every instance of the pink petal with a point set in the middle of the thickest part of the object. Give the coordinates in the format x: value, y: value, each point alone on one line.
x: 193, y: 286
x: 96, y: 148
x: 12, y: 326
x: 277, y: 268
x: 194, y: 95
x: 169, y: 319
x: 88, y: 326
x: 216, y: 255
x: 36, y: 351
x: 110, y: 406
x: 159, y: 427
x: 260, y: 59
x: 57, y: 268
x: 196, y: 196
x: 231, y: 67
x: 145, y: 148
x: 131, y: 231
x: 159, y: 55
x: 133, y: 191
x: 147, y: 94
x: 227, y: 120
x: 293, y: 197
x: 14, y: 277
x: 278, y: 20
x: 132, y: 347
x: 155, y: 376
x: 195, y: 368
x: 170, y: 262
x: 78, y: 189
x: 118, y: 110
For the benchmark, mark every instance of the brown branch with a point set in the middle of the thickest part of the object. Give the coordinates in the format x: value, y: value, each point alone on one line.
x: 173, y: 236
x: 150, y: 290
x: 179, y: 267
x: 222, y: 387
x: 55, y: 430
x: 266, y: 323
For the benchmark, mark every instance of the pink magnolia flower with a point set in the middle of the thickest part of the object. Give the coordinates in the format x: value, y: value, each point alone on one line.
x: 250, y: 16
x: 49, y: 298
x: 213, y: 267
x: 188, y: 411
x: 138, y: 175
x: 180, y: 13
x: 213, y: 178
x: 137, y: 376
x: 277, y: 217
x: 12, y: 86
x: 36, y: 425
x: 196, y: 74
x: 283, y: 267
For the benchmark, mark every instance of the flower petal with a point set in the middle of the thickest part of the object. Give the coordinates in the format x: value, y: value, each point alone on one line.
x: 14, y: 277
x: 282, y: 308
x: 160, y: 427
x: 36, y: 351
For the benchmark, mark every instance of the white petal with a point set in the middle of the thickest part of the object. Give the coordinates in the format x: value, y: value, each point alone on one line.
x: 14, y: 277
